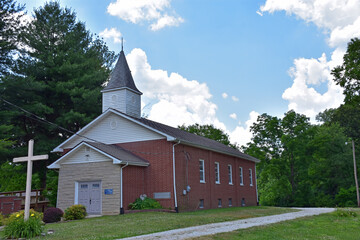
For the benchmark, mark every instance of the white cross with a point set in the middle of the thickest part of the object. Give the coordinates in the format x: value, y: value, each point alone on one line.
x: 29, y: 159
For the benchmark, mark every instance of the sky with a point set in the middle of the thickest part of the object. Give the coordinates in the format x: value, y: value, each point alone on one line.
x: 225, y: 62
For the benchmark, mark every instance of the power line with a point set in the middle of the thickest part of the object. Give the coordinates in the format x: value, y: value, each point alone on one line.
x: 43, y: 120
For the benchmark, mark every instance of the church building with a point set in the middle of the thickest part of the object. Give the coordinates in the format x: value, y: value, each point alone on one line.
x: 120, y: 155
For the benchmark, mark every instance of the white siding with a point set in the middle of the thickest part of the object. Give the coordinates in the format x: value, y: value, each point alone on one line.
x: 114, y: 99
x: 84, y: 154
x: 123, y: 100
x: 133, y: 104
x: 115, y: 129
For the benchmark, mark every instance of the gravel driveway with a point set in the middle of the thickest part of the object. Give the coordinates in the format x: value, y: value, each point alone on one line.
x: 214, y: 228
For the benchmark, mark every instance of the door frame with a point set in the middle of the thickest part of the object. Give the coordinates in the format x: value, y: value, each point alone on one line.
x: 76, y: 196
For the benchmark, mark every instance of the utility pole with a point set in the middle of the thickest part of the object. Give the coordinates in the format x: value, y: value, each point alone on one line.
x: 355, y: 174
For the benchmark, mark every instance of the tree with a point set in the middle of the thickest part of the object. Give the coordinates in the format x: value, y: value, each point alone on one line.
x: 348, y: 74
x: 209, y: 131
x: 10, y: 27
x: 331, y: 164
x: 282, y: 146
x: 266, y: 140
x: 59, y: 79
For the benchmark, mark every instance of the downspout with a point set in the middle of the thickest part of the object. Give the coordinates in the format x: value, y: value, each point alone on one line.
x: 174, y: 180
x: 121, y: 188
x: 257, y: 196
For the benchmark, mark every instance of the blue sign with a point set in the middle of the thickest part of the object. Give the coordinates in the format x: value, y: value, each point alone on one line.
x: 108, y: 191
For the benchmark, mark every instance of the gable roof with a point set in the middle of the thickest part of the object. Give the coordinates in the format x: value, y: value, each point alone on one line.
x: 171, y: 134
x: 192, y: 139
x: 121, y: 76
x: 118, y: 154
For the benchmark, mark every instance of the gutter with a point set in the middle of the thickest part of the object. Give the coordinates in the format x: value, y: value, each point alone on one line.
x: 174, y: 180
x: 257, y: 195
x: 121, y: 188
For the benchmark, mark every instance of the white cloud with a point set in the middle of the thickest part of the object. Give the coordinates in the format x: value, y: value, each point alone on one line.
x: 113, y: 34
x: 340, y: 21
x: 235, y: 99
x: 155, y: 12
x: 224, y: 95
x: 241, y: 134
x: 305, y: 99
x: 166, y: 21
x: 233, y: 116
x: 175, y: 100
x: 326, y: 14
x: 259, y: 12
x: 341, y: 35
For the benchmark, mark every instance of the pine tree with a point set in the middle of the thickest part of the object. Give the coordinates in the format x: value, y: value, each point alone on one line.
x: 59, y: 79
x: 10, y: 27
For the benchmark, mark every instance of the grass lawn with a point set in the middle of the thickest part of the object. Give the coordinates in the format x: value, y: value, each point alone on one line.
x: 325, y: 226
x: 120, y: 226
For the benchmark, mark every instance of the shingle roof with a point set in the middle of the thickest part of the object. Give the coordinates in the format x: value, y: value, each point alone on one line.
x: 121, y: 76
x: 193, y: 139
x: 119, y: 153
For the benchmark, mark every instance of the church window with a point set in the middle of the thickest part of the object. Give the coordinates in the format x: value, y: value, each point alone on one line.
x: 202, y: 170
x: 250, y: 176
x: 201, y: 203
x: 241, y: 176
x: 230, y: 174
x: 217, y: 173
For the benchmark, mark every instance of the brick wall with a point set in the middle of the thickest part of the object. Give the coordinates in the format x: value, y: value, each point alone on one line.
x: 188, y: 173
x: 158, y: 176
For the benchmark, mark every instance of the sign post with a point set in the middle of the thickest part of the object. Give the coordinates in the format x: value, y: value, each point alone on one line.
x: 29, y: 159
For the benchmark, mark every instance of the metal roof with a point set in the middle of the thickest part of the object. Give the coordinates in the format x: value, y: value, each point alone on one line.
x: 192, y: 139
x: 121, y: 76
x: 119, y: 153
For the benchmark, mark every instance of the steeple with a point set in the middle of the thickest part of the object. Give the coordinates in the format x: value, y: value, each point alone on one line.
x: 121, y: 92
x: 121, y: 76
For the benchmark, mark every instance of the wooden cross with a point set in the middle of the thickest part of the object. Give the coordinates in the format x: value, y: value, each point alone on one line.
x: 29, y: 159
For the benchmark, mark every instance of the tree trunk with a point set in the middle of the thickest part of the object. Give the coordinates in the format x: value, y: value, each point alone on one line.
x: 355, y: 175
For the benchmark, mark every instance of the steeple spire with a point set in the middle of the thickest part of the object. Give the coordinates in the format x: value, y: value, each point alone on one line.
x: 121, y: 76
x: 122, y: 44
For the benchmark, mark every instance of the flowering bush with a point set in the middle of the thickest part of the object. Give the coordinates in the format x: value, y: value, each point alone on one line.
x: 75, y: 212
x: 17, y: 227
x: 52, y: 215
x: 144, y: 203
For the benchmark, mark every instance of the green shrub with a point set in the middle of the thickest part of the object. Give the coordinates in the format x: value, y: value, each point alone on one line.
x: 322, y: 200
x: 146, y: 203
x: 345, y: 213
x: 2, y: 219
x: 17, y: 227
x: 75, y: 212
x: 346, y: 197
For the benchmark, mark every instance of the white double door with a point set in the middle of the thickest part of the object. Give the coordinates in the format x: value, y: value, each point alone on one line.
x: 90, y: 196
